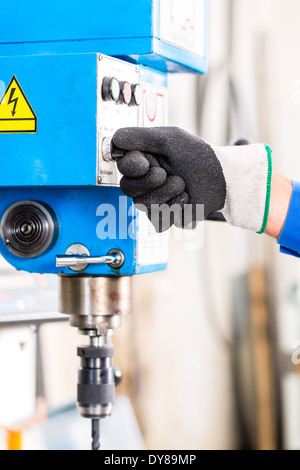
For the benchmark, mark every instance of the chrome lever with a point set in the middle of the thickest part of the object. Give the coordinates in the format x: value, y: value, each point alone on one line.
x: 77, y: 258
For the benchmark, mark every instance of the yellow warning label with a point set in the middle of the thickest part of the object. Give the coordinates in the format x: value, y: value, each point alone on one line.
x: 16, y: 113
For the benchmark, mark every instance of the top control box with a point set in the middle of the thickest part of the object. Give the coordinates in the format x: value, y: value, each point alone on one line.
x: 168, y: 35
x: 77, y: 102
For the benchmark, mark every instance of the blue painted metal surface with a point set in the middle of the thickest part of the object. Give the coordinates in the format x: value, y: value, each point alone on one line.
x: 63, y: 93
x: 117, y: 28
x: 37, y: 21
x: 80, y: 221
x: 62, y: 90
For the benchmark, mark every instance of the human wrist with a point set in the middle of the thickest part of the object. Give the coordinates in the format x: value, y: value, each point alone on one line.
x: 281, y: 193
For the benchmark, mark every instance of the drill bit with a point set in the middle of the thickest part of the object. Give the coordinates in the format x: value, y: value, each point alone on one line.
x: 95, y: 434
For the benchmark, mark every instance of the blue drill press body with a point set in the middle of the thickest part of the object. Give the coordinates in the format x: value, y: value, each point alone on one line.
x: 54, y: 118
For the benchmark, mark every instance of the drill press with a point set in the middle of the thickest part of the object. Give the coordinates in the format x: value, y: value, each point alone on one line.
x: 61, y: 208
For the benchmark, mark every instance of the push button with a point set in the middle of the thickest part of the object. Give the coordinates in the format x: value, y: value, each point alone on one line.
x: 110, y: 89
x: 126, y: 93
x: 137, y: 95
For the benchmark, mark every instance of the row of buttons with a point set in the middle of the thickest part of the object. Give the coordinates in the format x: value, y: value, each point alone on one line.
x: 123, y: 92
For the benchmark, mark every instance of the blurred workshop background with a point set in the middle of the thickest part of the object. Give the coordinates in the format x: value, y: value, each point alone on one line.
x: 210, y: 355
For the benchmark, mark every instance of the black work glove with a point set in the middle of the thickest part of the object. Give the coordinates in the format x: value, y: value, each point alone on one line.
x: 166, y: 165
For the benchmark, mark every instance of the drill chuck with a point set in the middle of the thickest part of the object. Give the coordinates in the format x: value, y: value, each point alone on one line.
x: 96, y: 381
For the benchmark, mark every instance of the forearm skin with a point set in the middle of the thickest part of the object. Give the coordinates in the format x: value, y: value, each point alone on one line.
x: 281, y: 193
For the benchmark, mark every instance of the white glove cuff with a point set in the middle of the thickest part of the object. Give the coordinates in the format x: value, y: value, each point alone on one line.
x: 248, y: 174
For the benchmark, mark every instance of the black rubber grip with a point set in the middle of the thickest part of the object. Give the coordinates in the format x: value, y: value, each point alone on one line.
x: 95, y: 394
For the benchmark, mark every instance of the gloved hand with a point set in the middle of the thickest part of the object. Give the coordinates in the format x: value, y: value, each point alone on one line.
x: 165, y: 166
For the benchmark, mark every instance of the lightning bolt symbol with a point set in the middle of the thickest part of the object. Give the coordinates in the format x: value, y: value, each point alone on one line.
x: 15, y: 101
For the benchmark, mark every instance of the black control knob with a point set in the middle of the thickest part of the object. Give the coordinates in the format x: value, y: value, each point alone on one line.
x: 126, y: 93
x: 137, y: 95
x: 110, y: 89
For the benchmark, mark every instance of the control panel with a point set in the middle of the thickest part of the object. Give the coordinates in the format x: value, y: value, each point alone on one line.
x: 118, y: 101
x: 123, y: 101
